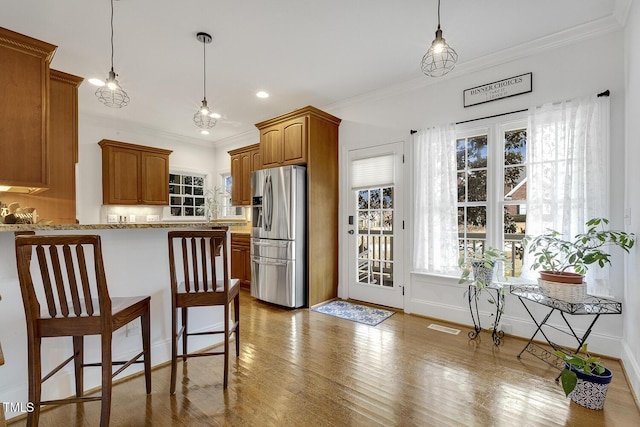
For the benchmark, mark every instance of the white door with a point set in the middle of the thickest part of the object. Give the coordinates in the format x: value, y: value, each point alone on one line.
x: 376, y: 222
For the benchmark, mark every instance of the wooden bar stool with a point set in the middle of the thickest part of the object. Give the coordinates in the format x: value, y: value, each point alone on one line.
x: 67, y: 295
x: 196, y: 281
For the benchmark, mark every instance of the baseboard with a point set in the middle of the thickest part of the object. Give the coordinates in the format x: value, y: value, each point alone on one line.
x: 631, y: 368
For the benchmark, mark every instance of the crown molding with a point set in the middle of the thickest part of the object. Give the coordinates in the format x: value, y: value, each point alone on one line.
x: 566, y: 37
x: 621, y: 11
x: 136, y: 127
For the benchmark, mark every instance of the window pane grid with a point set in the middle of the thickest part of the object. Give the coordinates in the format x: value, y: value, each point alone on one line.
x: 186, y: 195
x: 375, y: 215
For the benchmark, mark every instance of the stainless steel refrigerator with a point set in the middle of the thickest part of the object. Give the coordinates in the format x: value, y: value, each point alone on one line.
x: 278, y: 236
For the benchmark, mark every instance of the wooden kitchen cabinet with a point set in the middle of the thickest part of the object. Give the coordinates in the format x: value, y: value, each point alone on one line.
x: 284, y: 143
x: 243, y: 161
x: 309, y: 136
x: 134, y: 174
x: 241, y: 259
x: 24, y: 108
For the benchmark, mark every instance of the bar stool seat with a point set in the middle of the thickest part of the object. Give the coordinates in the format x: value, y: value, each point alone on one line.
x: 67, y: 295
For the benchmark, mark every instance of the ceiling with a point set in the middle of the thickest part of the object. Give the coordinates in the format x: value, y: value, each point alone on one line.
x: 303, y: 52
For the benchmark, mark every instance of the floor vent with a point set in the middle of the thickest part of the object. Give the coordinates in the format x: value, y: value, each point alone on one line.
x: 444, y: 329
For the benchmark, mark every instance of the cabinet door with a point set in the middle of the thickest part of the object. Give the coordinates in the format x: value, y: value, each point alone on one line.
x: 294, y: 141
x: 122, y: 172
x: 247, y: 267
x: 236, y: 179
x: 271, y: 146
x: 154, y: 185
x: 246, y: 179
x: 237, y: 262
x: 256, y: 160
x: 24, y: 105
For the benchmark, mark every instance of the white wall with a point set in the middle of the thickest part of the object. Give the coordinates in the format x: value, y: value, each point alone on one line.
x: 560, y: 71
x: 631, y: 313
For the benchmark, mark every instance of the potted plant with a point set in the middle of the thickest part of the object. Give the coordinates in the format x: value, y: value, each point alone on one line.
x: 481, y: 262
x: 566, y: 261
x: 584, y: 379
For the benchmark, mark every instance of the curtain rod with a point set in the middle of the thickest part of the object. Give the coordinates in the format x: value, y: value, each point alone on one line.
x: 605, y: 93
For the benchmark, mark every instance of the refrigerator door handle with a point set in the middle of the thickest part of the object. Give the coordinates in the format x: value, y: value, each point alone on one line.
x: 263, y: 261
x: 268, y: 203
x: 272, y: 243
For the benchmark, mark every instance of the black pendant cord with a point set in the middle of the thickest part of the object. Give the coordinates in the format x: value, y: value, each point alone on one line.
x: 204, y: 69
x: 438, y: 14
x: 600, y: 95
x: 111, y: 35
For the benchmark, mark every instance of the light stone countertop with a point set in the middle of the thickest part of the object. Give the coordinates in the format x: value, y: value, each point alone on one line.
x: 127, y: 226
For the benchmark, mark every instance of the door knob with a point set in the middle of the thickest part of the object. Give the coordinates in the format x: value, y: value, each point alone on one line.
x: 350, y: 231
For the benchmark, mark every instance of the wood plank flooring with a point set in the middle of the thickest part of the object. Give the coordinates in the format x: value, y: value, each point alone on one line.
x: 302, y: 368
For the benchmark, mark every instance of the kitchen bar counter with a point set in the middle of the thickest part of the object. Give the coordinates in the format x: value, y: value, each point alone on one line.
x: 117, y: 226
x: 136, y: 263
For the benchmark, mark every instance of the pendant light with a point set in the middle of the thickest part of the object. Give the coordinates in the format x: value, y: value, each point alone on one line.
x: 204, y: 118
x: 111, y: 94
x: 440, y: 58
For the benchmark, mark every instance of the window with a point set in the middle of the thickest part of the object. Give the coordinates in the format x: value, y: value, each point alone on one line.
x: 187, y: 195
x: 227, y: 210
x: 492, y: 190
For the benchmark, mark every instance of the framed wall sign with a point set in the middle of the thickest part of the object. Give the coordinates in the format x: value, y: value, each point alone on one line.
x: 498, y: 90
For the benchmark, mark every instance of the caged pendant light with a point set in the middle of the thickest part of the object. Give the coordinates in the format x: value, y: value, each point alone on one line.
x: 204, y: 117
x: 440, y: 58
x: 111, y: 94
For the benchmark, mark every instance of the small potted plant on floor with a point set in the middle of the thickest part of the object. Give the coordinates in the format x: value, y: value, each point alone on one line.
x: 566, y: 261
x: 584, y: 379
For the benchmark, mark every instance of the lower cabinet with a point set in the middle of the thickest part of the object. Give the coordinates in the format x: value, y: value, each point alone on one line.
x: 241, y: 258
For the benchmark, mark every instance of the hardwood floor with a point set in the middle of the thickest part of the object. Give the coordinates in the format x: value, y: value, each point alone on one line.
x: 299, y: 367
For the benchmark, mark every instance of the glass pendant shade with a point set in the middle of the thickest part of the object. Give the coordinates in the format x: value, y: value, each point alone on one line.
x: 440, y: 58
x: 203, y: 117
x: 111, y: 94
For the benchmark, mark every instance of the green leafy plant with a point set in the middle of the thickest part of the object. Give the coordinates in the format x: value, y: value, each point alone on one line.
x: 581, y: 361
x: 483, y: 260
x: 483, y: 257
x: 552, y: 253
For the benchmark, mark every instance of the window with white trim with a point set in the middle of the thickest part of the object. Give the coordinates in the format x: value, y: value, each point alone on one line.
x: 492, y: 189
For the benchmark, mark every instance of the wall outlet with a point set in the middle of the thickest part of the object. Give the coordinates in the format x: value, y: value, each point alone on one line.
x: 132, y: 218
x: 112, y: 218
x: 152, y: 218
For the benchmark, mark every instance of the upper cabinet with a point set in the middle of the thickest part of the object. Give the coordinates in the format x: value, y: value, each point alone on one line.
x: 284, y: 143
x: 134, y: 174
x: 24, y: 107
x: 243, y: 161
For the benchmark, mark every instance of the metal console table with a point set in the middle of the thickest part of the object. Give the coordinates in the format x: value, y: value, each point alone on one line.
x: 590, y: 305
x: 473, y: 294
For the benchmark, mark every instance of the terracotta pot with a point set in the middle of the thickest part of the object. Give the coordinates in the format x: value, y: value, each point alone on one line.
x: 562, y: 277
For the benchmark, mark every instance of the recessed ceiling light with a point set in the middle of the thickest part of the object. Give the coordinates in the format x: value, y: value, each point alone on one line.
x: 204, y: 132
x: 262, y: 94
x: 215, y: 115
x: 96, y: 82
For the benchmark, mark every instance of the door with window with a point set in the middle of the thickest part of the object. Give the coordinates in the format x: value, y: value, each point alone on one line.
x: 376, y: 222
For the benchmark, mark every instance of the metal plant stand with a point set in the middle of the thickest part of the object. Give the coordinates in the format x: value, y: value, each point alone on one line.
x: 473, y: 294
x: 590, y: 305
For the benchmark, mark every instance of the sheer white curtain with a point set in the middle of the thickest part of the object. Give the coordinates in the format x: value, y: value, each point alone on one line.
x: 435, y: 216
x: 568, y: 176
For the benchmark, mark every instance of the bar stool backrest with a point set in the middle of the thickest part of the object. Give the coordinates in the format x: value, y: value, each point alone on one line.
x: 69, y: 281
